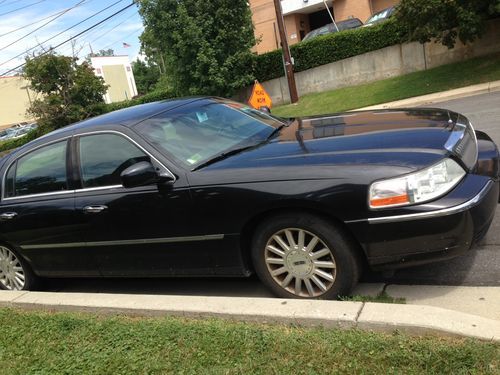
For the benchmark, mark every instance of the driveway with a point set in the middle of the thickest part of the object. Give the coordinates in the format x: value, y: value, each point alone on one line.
x: 480, y: 267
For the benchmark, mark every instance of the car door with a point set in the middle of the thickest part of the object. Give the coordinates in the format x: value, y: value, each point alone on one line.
x: 37, y: 214
x: 141, y: 231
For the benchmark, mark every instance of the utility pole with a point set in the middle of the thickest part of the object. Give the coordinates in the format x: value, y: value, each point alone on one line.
x: 331, y: 15
x: 292, y: 87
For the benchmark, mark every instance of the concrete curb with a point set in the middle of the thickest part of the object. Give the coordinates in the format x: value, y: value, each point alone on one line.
x: 413, y: 319
x: 426, y: 100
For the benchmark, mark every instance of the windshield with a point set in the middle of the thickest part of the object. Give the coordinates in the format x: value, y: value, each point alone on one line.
x: 200, y: 131
x: 379, y: 16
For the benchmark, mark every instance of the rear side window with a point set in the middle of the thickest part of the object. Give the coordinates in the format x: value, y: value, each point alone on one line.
x: 40, y: 171
x: 103, y: 157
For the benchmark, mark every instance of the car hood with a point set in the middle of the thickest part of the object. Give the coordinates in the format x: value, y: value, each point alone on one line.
x: 405, y: 140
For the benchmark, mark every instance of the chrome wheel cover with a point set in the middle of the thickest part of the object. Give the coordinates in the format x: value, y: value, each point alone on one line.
x: 12, y: 276
x: 300, y: 262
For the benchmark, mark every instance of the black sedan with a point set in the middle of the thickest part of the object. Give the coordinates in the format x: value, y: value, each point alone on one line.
x: 210, y: 187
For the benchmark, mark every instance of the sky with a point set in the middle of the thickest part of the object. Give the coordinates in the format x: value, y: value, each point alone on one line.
x: 125, y: 27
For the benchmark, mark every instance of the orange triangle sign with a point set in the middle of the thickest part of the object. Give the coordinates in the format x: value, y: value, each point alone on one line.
x: 260, y: 98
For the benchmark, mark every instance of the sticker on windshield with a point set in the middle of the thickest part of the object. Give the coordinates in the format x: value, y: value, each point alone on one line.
x: 202, y: 116
x: 194, y: 159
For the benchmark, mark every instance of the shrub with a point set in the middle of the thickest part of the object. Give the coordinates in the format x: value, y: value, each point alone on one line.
x: 330, y: 48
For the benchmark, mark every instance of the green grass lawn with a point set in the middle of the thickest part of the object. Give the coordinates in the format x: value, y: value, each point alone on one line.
x: 446, y: 77
x: 45, y: 343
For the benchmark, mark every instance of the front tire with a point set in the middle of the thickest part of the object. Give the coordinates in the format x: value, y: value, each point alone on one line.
x: 15, y: 274
x: 304, y: 256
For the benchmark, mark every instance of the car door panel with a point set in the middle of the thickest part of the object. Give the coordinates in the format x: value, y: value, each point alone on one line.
x: 37, y: 214
x: 144, y: 231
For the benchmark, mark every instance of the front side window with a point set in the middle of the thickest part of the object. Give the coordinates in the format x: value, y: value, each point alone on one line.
x: 196, y: 133
x: 40, y: 171
x: 103, y: 157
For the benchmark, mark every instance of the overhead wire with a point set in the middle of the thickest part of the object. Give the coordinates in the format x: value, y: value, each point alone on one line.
x: 24, y: 7
x: 62, y: 32
x: 12, y: 2
x: 45, y: 24
x: 124, y: 37
x: 98, y: 30
x: 33, y: 23
x: 75, y: 36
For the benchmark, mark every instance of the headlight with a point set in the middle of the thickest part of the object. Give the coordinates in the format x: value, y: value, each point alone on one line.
x: 418, y: 187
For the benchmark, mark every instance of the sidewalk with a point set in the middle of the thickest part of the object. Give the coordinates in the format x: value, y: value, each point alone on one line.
x: 414, y: 319
x: 428, y: 100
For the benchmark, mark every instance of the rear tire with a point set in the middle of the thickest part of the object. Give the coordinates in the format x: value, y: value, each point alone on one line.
x: 304, y: 256
x: 15, y: 273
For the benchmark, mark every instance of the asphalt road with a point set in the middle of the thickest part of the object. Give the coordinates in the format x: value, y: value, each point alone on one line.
x: 480, y: 267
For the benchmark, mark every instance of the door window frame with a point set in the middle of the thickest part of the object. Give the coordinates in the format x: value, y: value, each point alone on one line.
x: 68, y: 162
x: 73, y: 175
x: 76, y: 160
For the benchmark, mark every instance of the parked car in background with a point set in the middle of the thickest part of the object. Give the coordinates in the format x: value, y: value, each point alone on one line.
x: 17, y: 131
x: 6, y: 134
x: 379, y: 17
x: 352, y: 23
x: 211, y: 187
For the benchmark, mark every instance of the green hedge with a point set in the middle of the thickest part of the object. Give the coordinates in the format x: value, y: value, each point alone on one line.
x: 330, y: 48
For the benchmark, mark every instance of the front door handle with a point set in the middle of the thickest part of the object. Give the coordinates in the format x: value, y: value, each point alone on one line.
x: 94, y: 209
x: 8, y: 216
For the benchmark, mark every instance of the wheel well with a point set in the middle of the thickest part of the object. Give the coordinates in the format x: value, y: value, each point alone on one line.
x: 249, y: 230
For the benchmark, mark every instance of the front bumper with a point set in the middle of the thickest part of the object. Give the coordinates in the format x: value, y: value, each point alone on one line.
x: 416, y: 238
x: 438, y: 230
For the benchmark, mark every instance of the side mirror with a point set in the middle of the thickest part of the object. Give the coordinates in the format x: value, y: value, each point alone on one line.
x: 142, y: 174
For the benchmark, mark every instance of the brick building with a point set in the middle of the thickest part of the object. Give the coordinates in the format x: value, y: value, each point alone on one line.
x: 302, y: 16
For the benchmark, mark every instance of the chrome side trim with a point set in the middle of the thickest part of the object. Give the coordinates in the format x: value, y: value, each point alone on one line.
x: 431, y: 214
x: 209, y: 237
x: 21, y: 197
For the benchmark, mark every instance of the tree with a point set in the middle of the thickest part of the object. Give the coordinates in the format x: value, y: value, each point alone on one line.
x: 67, y: 90
x: 146, y: 76
x: 205, y: 45
x: 445, y: 20
x: 102, y: 52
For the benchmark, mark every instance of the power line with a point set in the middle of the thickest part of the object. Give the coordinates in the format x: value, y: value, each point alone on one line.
x: 113, y: 28
x: 73, y: 37
x: 123, y: 38
x: 45, y: 24
x: 97, y: 30
x: 24, y: 7
x: 62, y: 32
x: 12, y: 2
x: 32, y: 23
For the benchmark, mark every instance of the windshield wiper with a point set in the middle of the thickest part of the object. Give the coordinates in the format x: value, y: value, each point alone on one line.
x: 276, y: 131
x: 223, y: 156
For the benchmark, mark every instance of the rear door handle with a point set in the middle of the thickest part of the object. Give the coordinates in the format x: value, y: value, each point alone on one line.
x: 8, y: 216
x: 94, y: 209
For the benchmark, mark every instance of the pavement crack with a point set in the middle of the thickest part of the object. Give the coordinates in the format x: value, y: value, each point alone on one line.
x: 19, y: 296
x: 359, y: 312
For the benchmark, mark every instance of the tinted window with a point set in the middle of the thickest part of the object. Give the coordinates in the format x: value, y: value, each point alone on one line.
x: 103, y: 157
x: 40, y: 171
x: 196, y: 133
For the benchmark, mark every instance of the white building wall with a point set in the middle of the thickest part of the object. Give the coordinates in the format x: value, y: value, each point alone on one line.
x: 98, y: 64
